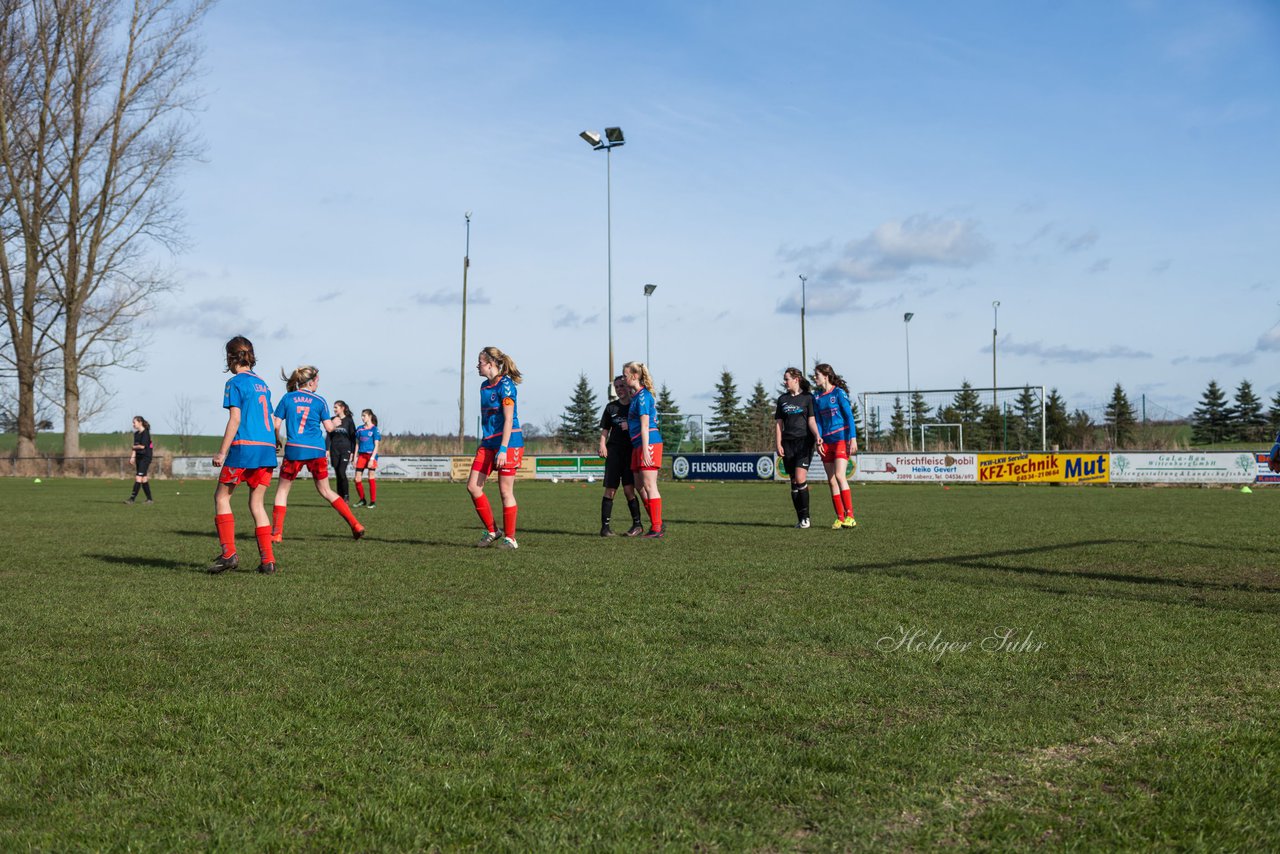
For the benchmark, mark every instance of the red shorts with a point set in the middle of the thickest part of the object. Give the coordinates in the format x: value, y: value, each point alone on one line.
x: 254, y: 477
x: 487, y: 458
x: 832, y: 451
x: 366, y: 461
x: 637, y: 458
x: 319, y: 468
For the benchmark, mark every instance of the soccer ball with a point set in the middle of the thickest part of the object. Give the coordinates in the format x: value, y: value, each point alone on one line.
x: 555, y: 480
x: 590, y: 479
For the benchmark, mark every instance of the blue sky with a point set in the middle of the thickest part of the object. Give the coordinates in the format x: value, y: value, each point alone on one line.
x: 1106, y: 170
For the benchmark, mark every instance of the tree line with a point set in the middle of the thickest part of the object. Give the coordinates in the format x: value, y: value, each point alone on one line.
x: 95, y: 105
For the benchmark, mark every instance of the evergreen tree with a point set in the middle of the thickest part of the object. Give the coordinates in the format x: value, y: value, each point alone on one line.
x: 919, y: 413
x: 580, y: 421
x: 1120, y: 418
x: 898, y: 424
x: 1056, y: 419
x: 670, y: 421
x: 757, y: 421
x: 874, y: 431
x: 857, y: 416
x: 1248, y: 420
x: 725, y: 429
x: 1080, y: 430
x: 1273, y: 416
x: 1209, y: 421
x: 991, y: 429
x: 1028, y: 409
x: 967, y: 406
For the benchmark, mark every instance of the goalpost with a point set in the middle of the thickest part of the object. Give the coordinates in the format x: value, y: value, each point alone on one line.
x: 1001, y: 418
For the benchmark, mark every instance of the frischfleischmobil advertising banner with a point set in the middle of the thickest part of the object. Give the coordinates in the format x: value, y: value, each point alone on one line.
x: 917, y: 468
x: 1185, y: 467
x: 398, y: 468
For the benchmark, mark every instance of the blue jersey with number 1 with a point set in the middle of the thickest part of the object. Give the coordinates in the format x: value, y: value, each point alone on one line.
x: 254, y: 445
x: 303, y: 413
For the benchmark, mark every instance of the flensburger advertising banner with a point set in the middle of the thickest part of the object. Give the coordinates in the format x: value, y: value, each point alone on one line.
x: 917, y: 468
x: 1186, y: 467
x: 722, y: 466
x: 1042, y: 468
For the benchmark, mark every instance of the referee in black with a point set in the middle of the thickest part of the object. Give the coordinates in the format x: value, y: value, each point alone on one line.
x: 615, y: 447
x: 796, y: 432
x: 342, y: 443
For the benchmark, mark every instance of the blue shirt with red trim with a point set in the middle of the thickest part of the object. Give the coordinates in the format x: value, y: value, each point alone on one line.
x: 642, y: 403
x: 254, y: 445
x: 302, y: 413
x: 493, y: 397
x: 366, y: 438
x: 834, y: 416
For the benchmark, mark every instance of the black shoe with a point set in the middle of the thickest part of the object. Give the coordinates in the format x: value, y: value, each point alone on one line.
x: 267, y: 568
x: 634, y: 531
x: 360, y: 503
x: 656, y: 533
x: 607, y: 532
x: 357, y: 533
x: 222, y: 564
x: 372, y: 505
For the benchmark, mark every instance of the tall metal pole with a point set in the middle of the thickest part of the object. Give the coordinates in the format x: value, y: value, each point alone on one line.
x: 995, y: 323
x: 804, y: 354
x: 608, y: 180
x: 906, y: 327
x: 648, y: 363
x: 462, y: 361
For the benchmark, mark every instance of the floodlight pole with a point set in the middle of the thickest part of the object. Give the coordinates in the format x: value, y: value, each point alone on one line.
x: 462, y: 360
x: 995, y: 323
x: 612, y: 136
x: 648, y: 292
x: 906, y: 328
x: 804, y: 355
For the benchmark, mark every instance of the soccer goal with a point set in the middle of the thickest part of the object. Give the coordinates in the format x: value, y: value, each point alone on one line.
x: 953, y: 419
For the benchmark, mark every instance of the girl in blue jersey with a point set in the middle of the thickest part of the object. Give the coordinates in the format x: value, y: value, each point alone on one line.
x: 838, y: 439
x: 368, y: 437
x: 247, y: 455
x: 304, y: 415
x: 501, y: 445
x: 646, y: 443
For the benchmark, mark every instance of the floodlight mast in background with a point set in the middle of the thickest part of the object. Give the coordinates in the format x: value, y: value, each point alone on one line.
x: 995, y: 323
x: 648, y: 292
x: 906, y: 327
x: 804, y: 355
x: 612, y: 137
x: 462, y: 362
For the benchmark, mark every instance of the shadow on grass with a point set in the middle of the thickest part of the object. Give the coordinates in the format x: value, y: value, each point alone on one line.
x: 559, y: 533
x: 154, y: 562
x: 986, y: 560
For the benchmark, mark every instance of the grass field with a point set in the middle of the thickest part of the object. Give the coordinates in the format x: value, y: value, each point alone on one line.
x: 738, y: 685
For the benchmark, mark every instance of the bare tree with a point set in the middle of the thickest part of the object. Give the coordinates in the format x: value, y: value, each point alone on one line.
x: 128, y: 68
x: 31, y: 102
x: 182, y: 420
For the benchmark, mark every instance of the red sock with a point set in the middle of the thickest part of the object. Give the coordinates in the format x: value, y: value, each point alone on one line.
x: 509, y: 520
x: 345, y: 512
x: 847, y: 495
x: 226, y: 525
x: 373, y: 491
x: 486, y: 515
x: 360, y: 489
x: 655, y: 513
x: 277, y: 519
x: 264, y: 543
x: 837, y: 501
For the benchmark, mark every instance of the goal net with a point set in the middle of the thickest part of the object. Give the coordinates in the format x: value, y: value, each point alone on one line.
x: 1007, y: 418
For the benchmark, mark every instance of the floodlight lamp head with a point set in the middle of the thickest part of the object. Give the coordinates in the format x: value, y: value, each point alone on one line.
x: 649, y: 289
x: 592, y: 138
x: 995, y: 303
x: 614, y: 135
x: 906, y: 318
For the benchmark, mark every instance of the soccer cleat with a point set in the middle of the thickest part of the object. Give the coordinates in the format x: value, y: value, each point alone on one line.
x: 372, y: 505
x: 359, y: 503
x: 223, y: 563
x: 267, y: 567
x: 803, y: 523
x: 606, y: 531
x: 357, y: 533
x: 634, y: 531
x: 507, y: 543
x: 148, y: 501
x: 850, y: 523
x: 129, y: 501
x: 837, y: 525
x: 656, y: 533
x: 489, y: 538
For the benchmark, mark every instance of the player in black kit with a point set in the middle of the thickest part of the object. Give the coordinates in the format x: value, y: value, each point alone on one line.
x: 140, y: 458
x: 615, y: 447
x: 796, y: 432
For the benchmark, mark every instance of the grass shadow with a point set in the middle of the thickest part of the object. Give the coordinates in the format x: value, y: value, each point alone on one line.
x: 153, y: 562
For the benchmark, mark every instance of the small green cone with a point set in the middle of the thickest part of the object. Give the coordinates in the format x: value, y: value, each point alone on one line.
x: 38, y: 480
x: 1246, y: 489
